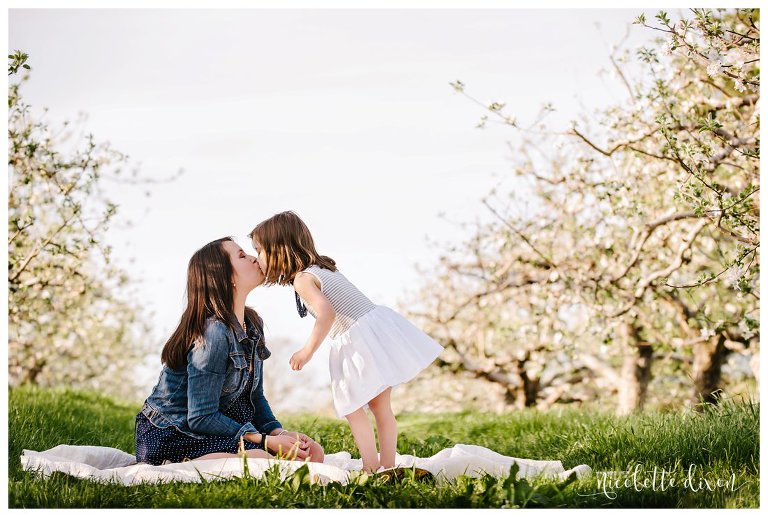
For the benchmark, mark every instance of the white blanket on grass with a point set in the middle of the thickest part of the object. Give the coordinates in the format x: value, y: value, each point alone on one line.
x: 106, y: 464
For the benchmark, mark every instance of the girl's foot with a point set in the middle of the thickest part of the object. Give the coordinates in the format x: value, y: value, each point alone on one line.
x: 390, y: 474
x: 371, y: 469
x: 390, y: 470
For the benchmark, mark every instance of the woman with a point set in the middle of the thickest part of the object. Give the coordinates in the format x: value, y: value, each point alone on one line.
x: 209, y: 401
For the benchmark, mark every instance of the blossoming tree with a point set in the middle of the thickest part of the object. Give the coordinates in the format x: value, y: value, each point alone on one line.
x: 71, y: 320
x: 639, y: 258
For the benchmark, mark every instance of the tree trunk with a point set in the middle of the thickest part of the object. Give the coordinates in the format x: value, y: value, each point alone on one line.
x: 526, y: 392
x: 635, y: 371
x: 708, y: 359
x: 521, y: 390
x: 31, y: 374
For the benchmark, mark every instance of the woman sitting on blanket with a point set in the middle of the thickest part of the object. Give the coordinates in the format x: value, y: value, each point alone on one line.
x: 209, y: 401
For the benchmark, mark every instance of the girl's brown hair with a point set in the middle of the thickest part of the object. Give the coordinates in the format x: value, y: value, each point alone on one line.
x: 289, y: 248
x: 209, y: 293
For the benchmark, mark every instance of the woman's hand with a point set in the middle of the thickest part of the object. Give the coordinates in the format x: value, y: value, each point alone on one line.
x: 299, y: 436
x: 306, y: 440
x: 315, y: 451
x: 300, y: 358
x: 288, y: 446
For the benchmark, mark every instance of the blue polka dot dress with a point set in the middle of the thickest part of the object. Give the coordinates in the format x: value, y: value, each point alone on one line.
x: 155, y: 445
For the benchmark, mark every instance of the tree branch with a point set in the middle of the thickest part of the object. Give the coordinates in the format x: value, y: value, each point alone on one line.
x: 671, y: 268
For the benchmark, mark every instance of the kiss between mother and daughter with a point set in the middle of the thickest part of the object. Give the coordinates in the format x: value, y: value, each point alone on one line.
x: 209, y: 400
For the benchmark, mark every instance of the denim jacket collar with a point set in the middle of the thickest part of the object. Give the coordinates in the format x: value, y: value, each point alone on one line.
x: 253, y: 334
x: 240, y: 335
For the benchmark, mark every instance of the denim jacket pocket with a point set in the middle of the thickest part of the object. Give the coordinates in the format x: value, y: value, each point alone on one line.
x: 235, y: 372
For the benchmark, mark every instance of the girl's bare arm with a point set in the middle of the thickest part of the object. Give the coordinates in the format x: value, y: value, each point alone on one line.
x: 305, y: 285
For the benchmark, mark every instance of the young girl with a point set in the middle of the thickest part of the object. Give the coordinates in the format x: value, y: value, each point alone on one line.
x: 374, y: 348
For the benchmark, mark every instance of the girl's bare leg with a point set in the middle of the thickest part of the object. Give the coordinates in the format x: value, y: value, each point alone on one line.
x: 252, y: 453
x: 364, y: 438
x: 386, y: 425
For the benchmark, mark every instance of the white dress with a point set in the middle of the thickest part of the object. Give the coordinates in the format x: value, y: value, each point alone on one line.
x: 373, y: 346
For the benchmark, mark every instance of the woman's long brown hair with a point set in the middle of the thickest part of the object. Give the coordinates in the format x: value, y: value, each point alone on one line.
x: 289, y: 248
x: 209, y: 293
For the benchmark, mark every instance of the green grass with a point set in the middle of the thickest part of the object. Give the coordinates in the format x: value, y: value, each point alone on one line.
x: 722, y: 442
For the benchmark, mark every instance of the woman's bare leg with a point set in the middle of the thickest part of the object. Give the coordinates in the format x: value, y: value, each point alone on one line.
x: 251, y: 453
x: 364, y: 438
x: 386, y: 425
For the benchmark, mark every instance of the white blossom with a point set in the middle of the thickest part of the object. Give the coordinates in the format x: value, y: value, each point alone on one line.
x: 734, y: 274
x: 734, y: 57
x: 745, y: 330
x: 755, y: 113
x: 700, y: 157
x: 714, y: 68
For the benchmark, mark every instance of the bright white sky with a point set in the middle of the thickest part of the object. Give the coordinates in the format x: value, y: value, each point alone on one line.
x: 344, y: 116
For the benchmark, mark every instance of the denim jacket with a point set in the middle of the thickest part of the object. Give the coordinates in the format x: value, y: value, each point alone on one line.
x: 192, y: 400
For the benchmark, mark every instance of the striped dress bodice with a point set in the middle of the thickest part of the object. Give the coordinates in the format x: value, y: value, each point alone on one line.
x: 347, y: 300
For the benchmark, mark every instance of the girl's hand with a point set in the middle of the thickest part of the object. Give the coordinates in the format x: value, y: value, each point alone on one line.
x: 300, y: 358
